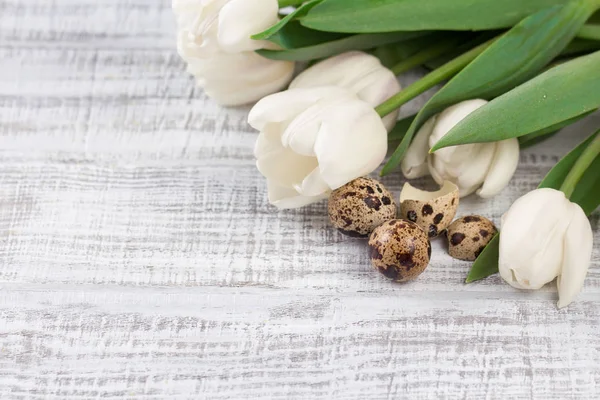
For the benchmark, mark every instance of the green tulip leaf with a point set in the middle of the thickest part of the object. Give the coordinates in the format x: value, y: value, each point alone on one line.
x: 511, y: 60
x: 297, y: 13
x: 293, y: 36
x: 400, y: 129
x: 587, y: 191
x: 487, y: 262
x: 586, y: 194
x: 330, y: 48
x: 368, y: 16
x: 559, y: 94
x: 555, y: 178
x: 391, y: 54
x: 536, y: 137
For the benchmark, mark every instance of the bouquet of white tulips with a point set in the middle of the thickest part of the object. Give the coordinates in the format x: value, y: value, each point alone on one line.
x: 514, y: 73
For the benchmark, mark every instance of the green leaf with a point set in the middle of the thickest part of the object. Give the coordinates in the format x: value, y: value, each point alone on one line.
x: 587, y: 191
x: 327, y: 49
x: 534, y: 137
x: 590, y: 31
x: 487, y: 262
x: 294, y: 35
x: 555, y: 178
x: 297, y: 13
x: 579, y: 46
x: 586, y: 194
x: 368, y: 16
x: 400, y: 129
x: 561, y: 93
x: 511, y: 60
x: 476, y: 41
x: 391, y: 54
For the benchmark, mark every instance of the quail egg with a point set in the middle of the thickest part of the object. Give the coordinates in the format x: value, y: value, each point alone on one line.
x: 468, y: 236
x: 400, y: 250
x: 432, y: 211
x: 359, y: 206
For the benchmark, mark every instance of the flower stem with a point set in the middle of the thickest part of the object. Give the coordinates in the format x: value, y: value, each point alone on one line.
x: 425, y: 55
x: 441, y: 74
x: 582, y: 164
x: 289, y: 3
x: 590, y: 32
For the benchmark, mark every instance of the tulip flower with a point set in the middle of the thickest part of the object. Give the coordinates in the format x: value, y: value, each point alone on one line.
x: 314, y: 140
x: 545, y: 236
x: 358, y: 72
x: 214, y: 39
x: 485, y: 168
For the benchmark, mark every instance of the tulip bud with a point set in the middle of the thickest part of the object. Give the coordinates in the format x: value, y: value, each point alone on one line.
x: 214, y: 39
x: 485, y: 168
x: 358, y: 72
x: 313, y: 141
x: 545, y: 236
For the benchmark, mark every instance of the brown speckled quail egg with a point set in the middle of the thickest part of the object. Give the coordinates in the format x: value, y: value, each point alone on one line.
x: 400, y: 250
x: 359, y: 206
x: 468, y: 236
x: 432, y: 211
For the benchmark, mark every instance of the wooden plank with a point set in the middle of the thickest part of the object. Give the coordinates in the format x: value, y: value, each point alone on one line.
x: 140, y: 259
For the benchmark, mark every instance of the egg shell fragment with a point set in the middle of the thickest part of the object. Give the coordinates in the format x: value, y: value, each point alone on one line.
x: 359, y: 206
x: 468, y: 236
x: 432, y: 211
x: 400, y: 250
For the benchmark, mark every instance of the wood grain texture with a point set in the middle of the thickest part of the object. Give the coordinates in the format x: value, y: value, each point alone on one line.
x: 140, y: 259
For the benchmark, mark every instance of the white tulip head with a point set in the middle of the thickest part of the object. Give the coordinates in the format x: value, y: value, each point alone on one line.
x: 313, y: 141
x: 545, y: 236
x: 484, y: 168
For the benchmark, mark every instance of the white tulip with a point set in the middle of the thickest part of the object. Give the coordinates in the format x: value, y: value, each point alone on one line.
x: 235, y: 79
x: 545, y: 236
x: 208, y: 27
x: 359, y: 72
x: 313, y: 141
x: 485, y: 168
x: 214, y: 39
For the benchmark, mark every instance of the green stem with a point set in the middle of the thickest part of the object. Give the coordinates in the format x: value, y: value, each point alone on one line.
x: 582, y: 164
x: 289, y: 3
x: 590, y: 32
x: 425, y: 55
x: 441, y: 74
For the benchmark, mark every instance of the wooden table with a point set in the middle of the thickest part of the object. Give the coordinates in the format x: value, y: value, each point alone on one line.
x: 140, y: 259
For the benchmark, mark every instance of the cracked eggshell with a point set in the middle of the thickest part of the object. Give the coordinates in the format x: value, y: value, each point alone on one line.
x: 432, y: 211
x: 360, y: 206
x: 468, y: 236
x: 400, y: 250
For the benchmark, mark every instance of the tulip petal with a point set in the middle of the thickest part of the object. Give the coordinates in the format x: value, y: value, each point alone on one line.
x: 285, y: 168
x: 234, y: 79
x: 577, y: 254
x: 414, y: 164
x: 504, y: 165
x: 451, y: 116
x: 284, y: 198
x: 351, y: 143
x: 313, y: 184
x: 240, y: 19
x: 472, y: 172
x: 359, y: 72
x: 301, y: 134
x: 264, y: 145
x: 531, y: 238
x: 284, y: 106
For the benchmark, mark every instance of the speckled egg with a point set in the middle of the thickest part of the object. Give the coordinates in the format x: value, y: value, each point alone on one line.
x: 432, y: 211
x: 400, y: 250
x: 468, y: 236
x: 359, y: 206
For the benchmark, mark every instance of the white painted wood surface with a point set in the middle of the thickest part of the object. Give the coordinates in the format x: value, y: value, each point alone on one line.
x: 139, y: 258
